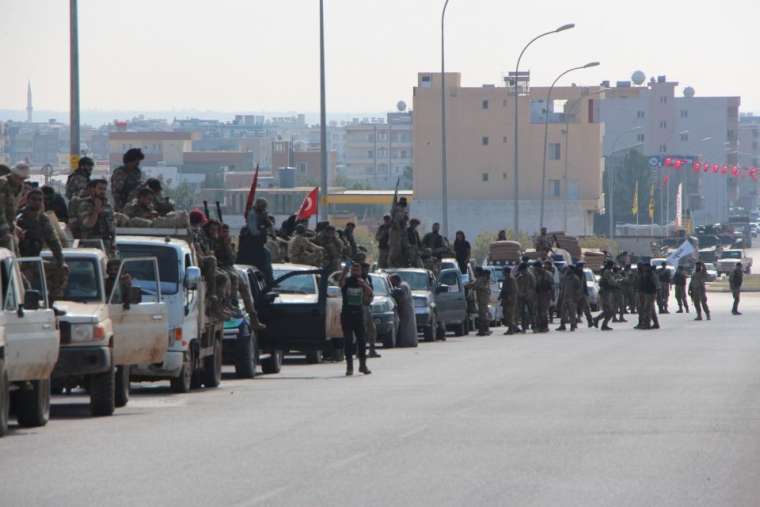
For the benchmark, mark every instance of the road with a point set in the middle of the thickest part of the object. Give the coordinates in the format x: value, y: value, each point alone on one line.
x: 668, y: 417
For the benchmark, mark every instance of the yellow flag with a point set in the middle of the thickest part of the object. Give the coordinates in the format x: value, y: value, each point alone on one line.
x: 635, y: 206
x: 651, y: 204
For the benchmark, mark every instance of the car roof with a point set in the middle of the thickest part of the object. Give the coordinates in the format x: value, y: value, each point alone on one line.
x: 293, y: 267
x: 406, y: 270
x: 142, y: 240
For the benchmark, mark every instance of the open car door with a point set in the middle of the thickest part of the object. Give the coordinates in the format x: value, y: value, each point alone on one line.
x: 140, y: 318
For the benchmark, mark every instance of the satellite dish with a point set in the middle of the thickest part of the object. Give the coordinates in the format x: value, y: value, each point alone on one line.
x: 638, y: 78
x: 401, y: 106
x: 688, y: 92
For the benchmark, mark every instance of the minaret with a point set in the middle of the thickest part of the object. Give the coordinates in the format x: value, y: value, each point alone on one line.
x: 29, y: 108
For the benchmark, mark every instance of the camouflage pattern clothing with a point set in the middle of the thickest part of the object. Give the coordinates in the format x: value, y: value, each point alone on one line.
x: 526, y: 298
x: 544, y: 292
x: 570, y: 293
x: 382, y: 236
x: 124, y: 186
x: 10, y: 193
x: 508, y: 297
x: 414, y: 248
x: 482, y: 288
x: 333, y: 250
x: 38, y: 232
x: 163, y: 205
x: 303, y: 251
x: 698, y: 293
x: 679, y: 282
x: 103, y: 228
x: 135, y: 209
x: 76, y: 183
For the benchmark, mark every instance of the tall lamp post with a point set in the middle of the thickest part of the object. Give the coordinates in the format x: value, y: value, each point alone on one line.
x: 611, y: 179
x: 517, y: 129
x: 444, y: 162
x: 546, y: 133
x: 322, y: 114
x: 73, y: 84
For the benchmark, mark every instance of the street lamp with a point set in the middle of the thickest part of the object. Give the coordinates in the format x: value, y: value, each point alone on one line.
x: 517, y: 129
x: 74, y: 143
x: 546, y: 133
x: 444, y: 162
x: 611, y: 180
x: 322, y: 113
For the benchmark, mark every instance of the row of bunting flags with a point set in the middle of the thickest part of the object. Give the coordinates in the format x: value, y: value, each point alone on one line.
x: 308, y: 208
x: 697, y: 166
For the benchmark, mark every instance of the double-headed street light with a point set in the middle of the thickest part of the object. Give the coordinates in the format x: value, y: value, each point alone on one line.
x: 517, y: 128
x: 546, y: 133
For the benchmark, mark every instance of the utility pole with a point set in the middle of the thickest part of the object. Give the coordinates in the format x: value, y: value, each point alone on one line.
x: 322, y: 113
x: 444, y: 162
x: 74, y: 84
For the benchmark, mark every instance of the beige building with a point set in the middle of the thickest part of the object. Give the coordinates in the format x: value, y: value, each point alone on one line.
x: 166, y: 147
x: 480, y: 130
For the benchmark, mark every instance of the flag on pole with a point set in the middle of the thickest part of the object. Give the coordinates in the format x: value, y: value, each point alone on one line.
x: 651, y: 204
x: 635, y: 206
x: 679, y: 206
x: 251, y: 193
x: 682, y: 251
x: 309, y: 206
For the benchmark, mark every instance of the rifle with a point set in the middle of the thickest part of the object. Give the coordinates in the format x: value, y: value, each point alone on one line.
x: 205, y: 208
x: 219, y: 212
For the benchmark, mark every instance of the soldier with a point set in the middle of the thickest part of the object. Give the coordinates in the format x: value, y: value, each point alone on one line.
x: 95, y: 217
x: 126, y: 179
x: 482, y: 287
x: 225, y: 257
x: 526, y: 296
x: 437, y: 243
x: 11, y: 186
x: 648, y: 283
x: 56, y: 203
x: 619, y: 295
x: 348, y: 236
x: 414, y: 245
x: 209, y: 239
x: 398, y: 240
x: 544, y: 291
x: 735, y: 280
x: 36, y: 232
x: 382, y: 237
x: 142, y: 205
x: 333, y: 248
x: 570, y: 292
x: 161, y: 203
x: 698, y: 292
x: 679, y: 282
x: 253, y: 239
x: 356, y: 292
x: 302, y: 251
x: 543, y: 244
x: 632, y: 293
x: 607, y: 286
x: 508, y: 298
x: 582, y: 298
x: 77, y: 181
x: 369, y: 323
x: 664, y: 289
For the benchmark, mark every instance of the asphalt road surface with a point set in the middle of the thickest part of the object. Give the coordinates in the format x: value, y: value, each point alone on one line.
x: 668, y: 417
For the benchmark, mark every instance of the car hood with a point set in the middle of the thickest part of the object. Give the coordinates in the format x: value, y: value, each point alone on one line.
x: 294, y: 299
x: 422, y: 294
x: 82, y: 313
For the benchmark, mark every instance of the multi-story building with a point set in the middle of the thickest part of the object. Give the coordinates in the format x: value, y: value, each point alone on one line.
x: 379, y: 151
x: 165, y: 147
x: 749, y: 157
x: 660, y: 124
x: 480, y: 128
x: 306, y: 159
x: 38, y: 143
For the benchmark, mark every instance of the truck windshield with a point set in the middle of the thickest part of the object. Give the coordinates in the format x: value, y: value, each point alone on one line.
x: 168, y: 266
x: 297, y: 284
x: 83, y: 284
x: 731, y: 254
x: 416, y: 280
x: 378, y: 286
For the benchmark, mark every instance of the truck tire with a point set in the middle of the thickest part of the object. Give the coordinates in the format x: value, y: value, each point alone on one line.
x: 459, y: 329
x: 103, y: 393
x: 245, y: 359
x: 212, y: 366
x: 315, y: 357
x: 273, y: 363
x: 184, y: 382
x: 429, y: 332
x: 5, y: 401
x: 122, y: 386
x: 389, y: 340
x: 33, y: 405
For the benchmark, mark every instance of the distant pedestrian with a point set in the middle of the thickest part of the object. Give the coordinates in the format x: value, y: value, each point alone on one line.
x: 679, y: 282
x: 407, y: 328
x: 570, y: 292
x: 607, y: 287
x: 736, y: 279
x: 648, y: 287
x: 526, y: 297
x: 544, y: 292
x: 369, y: 323
x: 382, y: 237
x: 482, y: 287
x: 698, y: 292
x: 508, y: 297
x: 356, y: 292
x: 462, y: 251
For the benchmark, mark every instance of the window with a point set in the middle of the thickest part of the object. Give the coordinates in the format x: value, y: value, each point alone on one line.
x: 640, y: 114
x: 451, y: 279
x: 684, y: 113
x: 426, y: 81
x: 663, y: 124
x: 485, y: 176
x: 403, y: 153
x: 555, y: 151
x: 484, y: 141
x: 484, y: 104
x: 663, y: 100
x: 640, y: 138
x: 554, y: 188
x: 684, y: 138
x: 505, y: 139
x: 663, y: 148
x: 370, y: 154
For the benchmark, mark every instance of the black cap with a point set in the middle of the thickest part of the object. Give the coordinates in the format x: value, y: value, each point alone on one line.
x: 132, y: 155
x: 85, y: 161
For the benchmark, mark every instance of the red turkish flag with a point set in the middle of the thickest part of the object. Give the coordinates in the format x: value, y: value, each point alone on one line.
x: 251, y: 193
x: 309, y: 206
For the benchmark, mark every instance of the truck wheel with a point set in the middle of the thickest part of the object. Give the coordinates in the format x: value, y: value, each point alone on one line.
x: 315, y: 357
x: 245, y: 362
x: 427, y: 333
x: 459, y: 329
x: 33, y: 405
x: 122, y: 386
x: 273, y: 363
x: 389, y: 340
x: 103, y: 393
x: 5, y: 402
x: 184, y: 382
x: 212, y: 366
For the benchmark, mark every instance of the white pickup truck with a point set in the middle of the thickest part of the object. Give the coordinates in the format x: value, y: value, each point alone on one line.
x: 728, y: 259
x: 101, y: 335
x: 29, y: 342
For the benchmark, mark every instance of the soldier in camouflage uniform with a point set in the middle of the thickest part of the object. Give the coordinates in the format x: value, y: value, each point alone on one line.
x: 508, y: 297
x: 225, y: 255
x: 217, y: 279
x: 607, y: 287
x: 36, y: 232
x: 570, y: 292
x: 161, y: 203
x: 382, y: 236
x: 11, y: 186
x: 544, y: 292
x: 95, y: 217
x: 333, y: 248
x: 127, y: 179
x: 302, y: 251
x: 76, y: 184
x: 526, y: 296
x: 482, y: 287
x: 619, y: 295
x: 142, y: 206
x: 414, y: 244
x: 542, y: 244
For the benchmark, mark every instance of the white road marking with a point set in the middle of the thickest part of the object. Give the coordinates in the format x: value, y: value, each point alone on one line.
x: 347, y: 461
x: 413, y: 432
x: 263, y: 498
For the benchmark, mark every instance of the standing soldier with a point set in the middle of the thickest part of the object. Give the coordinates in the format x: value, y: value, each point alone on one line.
x: 36, y: 232
x: 526, y: 296
x: 77, y: 180
x: 735, y: 280
x: 570, y: 292
x: 633, y: 289
x: 544, y: 291
x: 543, y: 244
x: 348, y: 237
x: 698, y: 292
x: 95, y: 217
x: 679, y: 282
x: 583, y: 308
x: 414, y: 244
x: 482, y: 287
x: 302, y: 251
x: 607, y: 286
x: 333, y: 248
x: 648, y: 289
x: 664, y: 289
x: 126, y: 179
x: 508, y: 297
x: 619, y: 295
x: 382, y: 237
x: 356, y: 291
x: 11, y: 186
x: 437, y: 244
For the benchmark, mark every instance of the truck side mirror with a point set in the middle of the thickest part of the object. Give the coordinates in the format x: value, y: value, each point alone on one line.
x: 192, y: 277
x: 32, y: 300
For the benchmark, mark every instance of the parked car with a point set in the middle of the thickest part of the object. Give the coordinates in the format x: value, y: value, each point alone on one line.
x: 384, y: 310
x: 728, y: 259
x: 423, y: 285
x: 497, y: 278
x: 472, y: 307
x: 712, y: 273
x: 593, y: 289
x: 451, y: 301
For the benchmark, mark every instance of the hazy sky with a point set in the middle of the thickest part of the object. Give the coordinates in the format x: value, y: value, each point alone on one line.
x: 233, y: 55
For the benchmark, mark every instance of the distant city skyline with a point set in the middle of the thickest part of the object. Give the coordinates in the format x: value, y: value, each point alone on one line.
x: 235, y: 56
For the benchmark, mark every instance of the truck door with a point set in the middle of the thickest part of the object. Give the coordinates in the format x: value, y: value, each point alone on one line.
x: 451, y: 304
x: 32, y: 340
x: 140, y: 318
